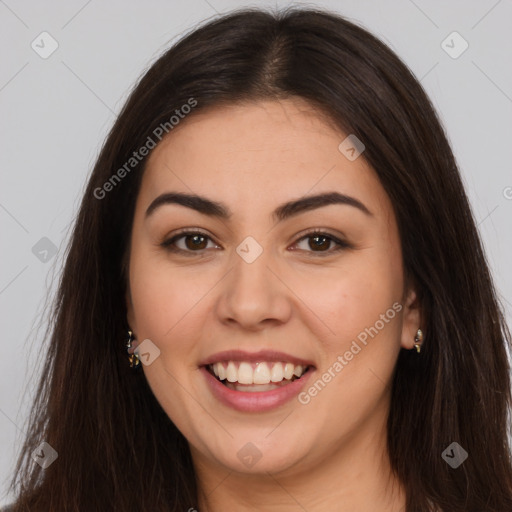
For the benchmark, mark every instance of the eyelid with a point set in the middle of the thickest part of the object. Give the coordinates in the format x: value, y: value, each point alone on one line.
x: 320, y: 231
x: 340, y: 243
x: 181, y: 233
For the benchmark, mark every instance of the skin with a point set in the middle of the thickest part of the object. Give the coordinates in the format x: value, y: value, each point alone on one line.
x: 329, y: 454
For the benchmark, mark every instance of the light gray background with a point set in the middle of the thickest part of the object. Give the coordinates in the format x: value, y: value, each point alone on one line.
x: 55, y: 113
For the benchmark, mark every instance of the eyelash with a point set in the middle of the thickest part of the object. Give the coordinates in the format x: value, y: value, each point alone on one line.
x: 169, y: 244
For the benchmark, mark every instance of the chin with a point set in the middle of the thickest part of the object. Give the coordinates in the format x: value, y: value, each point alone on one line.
x: 254, y: 452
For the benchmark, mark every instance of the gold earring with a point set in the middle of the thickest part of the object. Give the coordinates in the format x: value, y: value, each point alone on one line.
x: 417, y: 340
x: 133, y: 358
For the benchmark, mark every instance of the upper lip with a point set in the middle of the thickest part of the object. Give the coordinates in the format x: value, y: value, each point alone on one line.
x: 260, y: 356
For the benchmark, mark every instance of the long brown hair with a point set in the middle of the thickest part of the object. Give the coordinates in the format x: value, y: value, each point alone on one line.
x: 117, y: 449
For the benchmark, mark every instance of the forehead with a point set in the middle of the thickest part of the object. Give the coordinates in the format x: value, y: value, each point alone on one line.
x: 256, y: 155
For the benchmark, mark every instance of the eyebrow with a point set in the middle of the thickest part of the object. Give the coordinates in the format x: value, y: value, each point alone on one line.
x: 281, y: 213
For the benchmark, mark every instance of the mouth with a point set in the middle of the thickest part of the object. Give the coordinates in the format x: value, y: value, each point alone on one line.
x: 255, y: 382
x: 254, y: 377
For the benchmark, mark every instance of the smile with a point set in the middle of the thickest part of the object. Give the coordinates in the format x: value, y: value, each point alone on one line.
x: 256, y: 377
x: 255, y: 382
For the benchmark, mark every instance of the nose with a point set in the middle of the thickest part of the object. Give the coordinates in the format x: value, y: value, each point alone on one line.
x: 253, y: 296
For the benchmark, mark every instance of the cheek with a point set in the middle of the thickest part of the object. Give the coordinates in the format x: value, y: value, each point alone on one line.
x: 362, y: 307
x: 168, y: 302
x: 351, y: 297
x: 167, y: 309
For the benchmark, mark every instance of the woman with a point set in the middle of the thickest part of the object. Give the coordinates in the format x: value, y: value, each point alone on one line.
x: 277, y: 234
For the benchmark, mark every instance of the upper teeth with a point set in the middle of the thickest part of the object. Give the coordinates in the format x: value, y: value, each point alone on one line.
x: 261, y: 373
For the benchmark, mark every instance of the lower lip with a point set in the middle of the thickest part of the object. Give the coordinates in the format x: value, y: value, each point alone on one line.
x: 256, y: 401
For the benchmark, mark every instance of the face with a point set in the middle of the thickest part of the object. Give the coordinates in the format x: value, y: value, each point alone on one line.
x: 301, y: 309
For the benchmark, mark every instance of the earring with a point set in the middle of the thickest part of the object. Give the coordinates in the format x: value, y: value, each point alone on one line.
x: 417, y: 340
x: 133, y: 358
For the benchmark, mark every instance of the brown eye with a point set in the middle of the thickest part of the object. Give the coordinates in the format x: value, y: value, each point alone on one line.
x: 195, y: 242
x: 187, y: 242
x: 190, y: 242
x: 319, y: 242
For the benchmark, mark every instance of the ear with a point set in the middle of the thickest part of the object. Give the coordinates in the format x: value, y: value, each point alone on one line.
x: 411, y: 319
x: 130, y: 316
